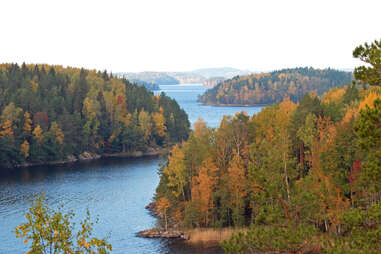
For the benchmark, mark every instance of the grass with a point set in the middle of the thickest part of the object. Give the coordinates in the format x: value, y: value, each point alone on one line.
x: 211, y: 236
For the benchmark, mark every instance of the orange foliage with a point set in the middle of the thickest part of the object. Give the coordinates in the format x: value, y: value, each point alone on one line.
x: 333, y: 95
x: 237, y: 178
x: 203, y: 186
x: 369, y: 100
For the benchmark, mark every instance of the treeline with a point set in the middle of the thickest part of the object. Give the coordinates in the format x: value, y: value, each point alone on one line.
x: 269, y: 88
x: 149, y: 86
x: 50, y: 112
x: 301, y: 177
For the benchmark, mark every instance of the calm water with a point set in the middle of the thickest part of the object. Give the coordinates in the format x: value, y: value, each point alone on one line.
x: 186, y: 95
x: 115, y: 190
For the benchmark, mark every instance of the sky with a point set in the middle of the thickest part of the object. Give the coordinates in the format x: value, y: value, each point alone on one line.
x: 178, y: 35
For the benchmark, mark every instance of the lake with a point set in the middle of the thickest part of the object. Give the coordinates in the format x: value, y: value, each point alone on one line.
x: 115, y: 191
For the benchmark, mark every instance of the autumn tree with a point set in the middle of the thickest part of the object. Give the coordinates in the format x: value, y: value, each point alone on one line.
x: 176, y: 172
x: 145, y: 124
x: 52, y: 231
x: 159, y: 124
x: 236, y: 180
x: 162, y: 206
x: 24, y: 149
x: 203, y: 187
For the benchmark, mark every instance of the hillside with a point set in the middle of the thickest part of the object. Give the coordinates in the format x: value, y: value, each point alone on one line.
x: 268, y: 88
x: 226, y: 72
x: 212, y: 82
x: 160, y: 78
x: 188, y: 77
x: 299, y: 177
x: 49, y: 113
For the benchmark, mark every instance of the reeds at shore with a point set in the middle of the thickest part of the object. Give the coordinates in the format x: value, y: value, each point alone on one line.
x: 211, y: 236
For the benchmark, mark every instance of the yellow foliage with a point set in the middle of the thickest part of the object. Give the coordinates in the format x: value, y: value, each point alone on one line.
x: 159, y: 124
x: 369, y: 100
x: 163, y: 204
x: 56, y: 131
x: 350, y: 114
x: 24, y: 150
x: 237, y: 179
x: 34, y: 86
x: 176, y: 171
x: 126, y: 119
x: 27, y: 123
x: 333, y: 95
x: 37, y: 132
x: 145, y: 124
x: 6, y: 129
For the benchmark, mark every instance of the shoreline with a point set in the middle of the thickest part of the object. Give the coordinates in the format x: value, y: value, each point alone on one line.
x: 88, y: 156
x: 211, y: 237
x: 234, y: 105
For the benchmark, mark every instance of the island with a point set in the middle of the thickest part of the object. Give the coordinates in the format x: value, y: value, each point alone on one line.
x: 271, y: 87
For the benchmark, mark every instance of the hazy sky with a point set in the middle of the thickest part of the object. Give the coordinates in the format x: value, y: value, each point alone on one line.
x: 177, y: 35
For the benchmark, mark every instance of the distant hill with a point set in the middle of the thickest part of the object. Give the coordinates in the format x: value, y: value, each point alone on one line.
x: 268, y: 88
x: 188, y: 77
x: 160, y: 78
x: 211, y: 82
x: 225, y: 72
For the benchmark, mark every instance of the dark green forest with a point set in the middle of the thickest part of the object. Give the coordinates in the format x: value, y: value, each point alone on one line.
x: 51, y: 112
x: 272, y: 87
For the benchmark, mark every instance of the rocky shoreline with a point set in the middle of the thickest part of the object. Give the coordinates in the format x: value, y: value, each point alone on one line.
x: 88, y: 156
x: 161, y: 233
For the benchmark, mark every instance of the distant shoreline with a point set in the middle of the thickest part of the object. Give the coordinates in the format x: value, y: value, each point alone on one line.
x: 235, y: 105
x: 87, y: 156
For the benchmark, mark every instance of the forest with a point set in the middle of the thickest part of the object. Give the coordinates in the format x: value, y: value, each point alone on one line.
x: 299, y: 177
x: 48, y: 113
x: 272, y: 87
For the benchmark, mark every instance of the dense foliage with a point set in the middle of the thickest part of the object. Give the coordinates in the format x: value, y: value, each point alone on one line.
x: 149, y: 86
x: 302, y: 177
x: 50, y: 112
x: 268, y: 88
x: 370, y: 54
x: 313, y: 166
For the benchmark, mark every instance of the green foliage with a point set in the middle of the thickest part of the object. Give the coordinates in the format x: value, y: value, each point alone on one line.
x: 368, y: 128
x: 269, y: 88
x: 362, y: 232
x: 371, y: 55
x: 48, y: 231
x: 271, y: 239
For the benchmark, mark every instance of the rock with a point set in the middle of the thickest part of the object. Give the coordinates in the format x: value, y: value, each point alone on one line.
x: 70, y: 158
x: 88, y: 156
x: 161, y: 233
